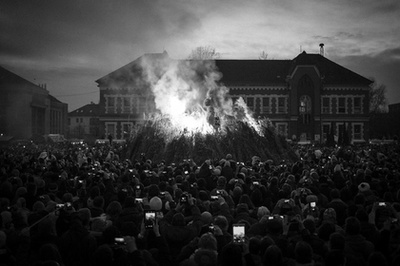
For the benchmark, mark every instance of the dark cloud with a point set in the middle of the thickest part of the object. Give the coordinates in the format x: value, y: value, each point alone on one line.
x: 385, y: 7
x: 70, y: 43
x: 50, y: 28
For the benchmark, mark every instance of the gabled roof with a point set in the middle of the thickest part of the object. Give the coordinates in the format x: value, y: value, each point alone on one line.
x: 332, y: 73
x: 244, y: 72
x: 132, y: 73
x: 253, y: 72
x: 91, y: 109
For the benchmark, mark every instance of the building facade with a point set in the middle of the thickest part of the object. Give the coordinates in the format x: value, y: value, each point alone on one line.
x: 303, y: 97
x: 84, y: 122
x: 28, y: 110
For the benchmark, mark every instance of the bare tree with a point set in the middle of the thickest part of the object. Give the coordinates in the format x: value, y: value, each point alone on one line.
x: 204, y: 53
x: 263, y: 56
x: 377, y: 98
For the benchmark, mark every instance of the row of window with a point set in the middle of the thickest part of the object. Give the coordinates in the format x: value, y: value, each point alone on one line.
x: 342, y: 104
x: 329, y: 104
x: 126, y: 104
x: 267, y: 102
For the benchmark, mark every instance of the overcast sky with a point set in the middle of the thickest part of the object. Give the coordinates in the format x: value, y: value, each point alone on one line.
x: 70, y: 44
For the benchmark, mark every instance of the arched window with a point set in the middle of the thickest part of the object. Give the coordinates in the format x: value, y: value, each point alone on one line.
x: 305, y: 109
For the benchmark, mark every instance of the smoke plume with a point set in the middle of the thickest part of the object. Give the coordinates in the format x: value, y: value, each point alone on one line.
x: 189, y: 94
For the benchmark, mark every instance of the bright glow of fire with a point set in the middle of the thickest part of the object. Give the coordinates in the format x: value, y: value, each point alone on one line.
x: 191, y: 123
x: 190, y: 98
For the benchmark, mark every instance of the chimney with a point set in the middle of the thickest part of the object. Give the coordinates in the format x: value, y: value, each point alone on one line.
x: 321, y: 49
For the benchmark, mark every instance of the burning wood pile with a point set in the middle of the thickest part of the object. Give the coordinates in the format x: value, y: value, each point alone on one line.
x: 197, y: 119
x: 239, y: 139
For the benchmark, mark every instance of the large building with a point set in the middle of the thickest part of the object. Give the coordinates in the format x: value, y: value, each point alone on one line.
x: 28, y: 110
x: 303, y: 97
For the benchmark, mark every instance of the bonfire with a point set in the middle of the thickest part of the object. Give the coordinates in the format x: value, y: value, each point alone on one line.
x: 197, y: 119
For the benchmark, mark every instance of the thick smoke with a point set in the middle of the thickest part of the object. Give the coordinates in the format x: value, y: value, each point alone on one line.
x: 188, y: 93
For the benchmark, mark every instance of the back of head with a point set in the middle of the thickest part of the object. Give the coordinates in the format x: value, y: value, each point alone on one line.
x: 221, y: 182
x: 84, y: 215
x: 377, y: 259
x: 255, y: 245
x: 204, y: 257
x: 103, y: 256
x: 274, y: 226
x: 335, y: 194
x: 222, y: 222
x: 272, y: 256
x: 309, y: 224
x: 98, y: 202
x: 266, y: 242
x: 231, y: 255
x: 362, y: 215
x: 262, y: 211
x: 50, y: 252
x: 303, y: 252
x: 178, y: 219
x: 114, y: 208
x: 208, y: 241
x: 206, y: 217
x: 337, y: 241
x: 335, y: 258
x: 325, y: 230
x: 110, y: 233
x: 352, y: 226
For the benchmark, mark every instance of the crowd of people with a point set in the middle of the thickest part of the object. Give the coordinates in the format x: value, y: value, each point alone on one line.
x: 88, y: 205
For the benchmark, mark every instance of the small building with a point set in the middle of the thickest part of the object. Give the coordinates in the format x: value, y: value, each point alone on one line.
x: 28, y: 110
x: 303, y: 97
x: 84, y: 122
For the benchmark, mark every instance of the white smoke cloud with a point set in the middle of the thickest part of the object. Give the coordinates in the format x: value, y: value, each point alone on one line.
x: 189, y: 94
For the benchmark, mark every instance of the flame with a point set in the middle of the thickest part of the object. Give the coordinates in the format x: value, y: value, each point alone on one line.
x: 189, y: 97
x: 192, y: 123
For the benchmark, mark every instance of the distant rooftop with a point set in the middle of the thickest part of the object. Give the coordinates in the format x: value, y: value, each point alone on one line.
x: 91, y: 109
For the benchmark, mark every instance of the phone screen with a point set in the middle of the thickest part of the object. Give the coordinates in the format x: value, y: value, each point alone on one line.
x: 139, y: 200
x: 149, y: 218
x: 184, y: 199
x: 238, y: 233
x: 119, y: 241
x: 214, y: 198
x: 313, y: 204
